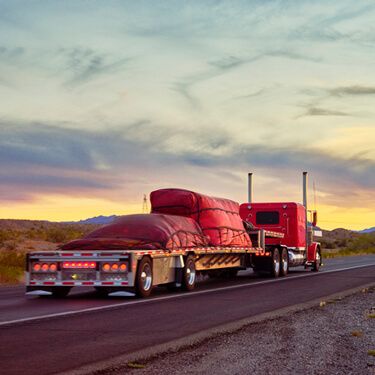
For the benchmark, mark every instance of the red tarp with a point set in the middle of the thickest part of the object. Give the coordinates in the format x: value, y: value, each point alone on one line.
x: 143, y: 232
x: 218, y: 217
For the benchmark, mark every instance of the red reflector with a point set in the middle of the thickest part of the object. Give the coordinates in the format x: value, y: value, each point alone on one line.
x: 107, y: 283
x: 32, y: 283
x: 49, y: 283
x: 124, y: 283
x: 67, y: 254
x: 87, y: 283
x: 86, y: 254
x: 79, y: 265
x: 68, y: 282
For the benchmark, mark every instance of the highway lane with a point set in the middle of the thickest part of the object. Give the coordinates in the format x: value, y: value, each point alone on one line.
x: 61, y: 343
x: 14, y: 305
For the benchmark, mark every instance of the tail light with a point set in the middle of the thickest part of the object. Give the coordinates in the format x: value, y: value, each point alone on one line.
x: 114, y: 267
x: 123, y: 267
x: 36, y: 267
x: 44, y: 267
x: 106, y: 267
x: 80, y: 265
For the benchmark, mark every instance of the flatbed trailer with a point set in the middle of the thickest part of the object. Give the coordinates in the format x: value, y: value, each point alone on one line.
x: 116, y: 271
x: 279, y: 233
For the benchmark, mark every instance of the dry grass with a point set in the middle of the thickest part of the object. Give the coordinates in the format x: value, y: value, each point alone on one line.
x: 12, y: 265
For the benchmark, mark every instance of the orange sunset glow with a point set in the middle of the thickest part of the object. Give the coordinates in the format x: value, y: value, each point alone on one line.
x: 98, y: 111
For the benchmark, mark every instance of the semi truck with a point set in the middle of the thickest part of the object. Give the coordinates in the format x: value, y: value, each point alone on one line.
x: 185, y: 234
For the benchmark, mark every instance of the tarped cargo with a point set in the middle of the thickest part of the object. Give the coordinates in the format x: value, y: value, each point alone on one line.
x: 143, y: 231
x: 218, y: 217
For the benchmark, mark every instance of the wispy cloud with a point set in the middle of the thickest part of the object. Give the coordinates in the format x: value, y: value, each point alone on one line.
x: 85, y: 64
x: 317, y: 111
x: 355, y: 90
x: 55, y: 159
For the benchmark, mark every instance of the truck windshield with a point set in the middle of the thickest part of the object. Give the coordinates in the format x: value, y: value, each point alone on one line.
x: 267, y: 217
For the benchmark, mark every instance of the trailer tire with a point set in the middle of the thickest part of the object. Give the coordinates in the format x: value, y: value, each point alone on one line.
x: 275, y: 263
x: 189, y: 274
x: 60, y: 291
x: 284, y: 262
x: 317, y: 262
x: 144, y: 279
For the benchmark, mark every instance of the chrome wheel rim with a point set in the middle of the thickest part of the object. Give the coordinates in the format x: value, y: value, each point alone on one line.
x: 276, y: 265
x: 285, y: 264
x: 146, y: 277
x: 190, y: 273
x: 317, y: 259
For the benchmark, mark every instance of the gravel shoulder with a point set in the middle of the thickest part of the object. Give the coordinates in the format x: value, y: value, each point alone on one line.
x: 334, y: 338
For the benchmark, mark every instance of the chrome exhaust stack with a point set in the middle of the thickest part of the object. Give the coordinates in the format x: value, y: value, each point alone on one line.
x: 250, y: 188
x: 305, y: 183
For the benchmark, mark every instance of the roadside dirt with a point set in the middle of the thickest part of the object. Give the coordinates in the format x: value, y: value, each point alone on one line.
x: 337, y: 337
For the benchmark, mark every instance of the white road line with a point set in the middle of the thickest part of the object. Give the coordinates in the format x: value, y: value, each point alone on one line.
x: 174, y: 296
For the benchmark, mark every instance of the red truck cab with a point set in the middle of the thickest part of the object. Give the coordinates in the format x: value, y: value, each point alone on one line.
x: 285, y: 217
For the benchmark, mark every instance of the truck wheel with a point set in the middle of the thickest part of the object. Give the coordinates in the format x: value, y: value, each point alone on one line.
x: 275, y: 263
x: 60, y: 291
x: 189, y: 275
x: 144, y: 278
x: 316, y: 264
x: 284, y: 262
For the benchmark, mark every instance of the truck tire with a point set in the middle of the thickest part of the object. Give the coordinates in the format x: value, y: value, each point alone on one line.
x: 284, y: 262
x: 189, y: 274
x: 144, y: 278
x: 318, y: 259
x: 275, y: 263
x: 60, y: 291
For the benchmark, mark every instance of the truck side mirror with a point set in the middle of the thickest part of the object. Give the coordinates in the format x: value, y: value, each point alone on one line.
x: 315, y: 218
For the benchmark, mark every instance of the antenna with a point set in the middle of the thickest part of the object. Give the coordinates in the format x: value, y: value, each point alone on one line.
x: 145, y: 205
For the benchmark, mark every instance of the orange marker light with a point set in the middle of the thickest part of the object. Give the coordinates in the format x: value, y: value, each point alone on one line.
x: 53, y: 267
x: 123, y: 267
x: 106, y: 267
x: 45, y: 267
x: 114, y: 267
x: 36, y: 267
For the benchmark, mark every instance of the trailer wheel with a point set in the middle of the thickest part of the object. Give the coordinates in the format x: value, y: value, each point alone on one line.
x: 284, y: 262
x: 144, y: 278
x: 60, y: 291
x: 275, y: 263
x: 317, y: 262
x: 189, y: 274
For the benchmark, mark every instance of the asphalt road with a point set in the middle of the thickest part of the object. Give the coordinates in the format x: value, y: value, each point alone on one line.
x: 45, y: 336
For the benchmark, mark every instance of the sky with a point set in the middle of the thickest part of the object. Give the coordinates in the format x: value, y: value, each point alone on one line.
x: 102, y: 102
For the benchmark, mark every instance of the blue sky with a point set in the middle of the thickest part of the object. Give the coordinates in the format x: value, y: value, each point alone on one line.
x: 104, y: 101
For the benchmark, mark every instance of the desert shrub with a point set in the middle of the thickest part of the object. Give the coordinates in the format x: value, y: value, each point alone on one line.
x: 7, y: 235
x: 12, y: 265
x: 364, y: 242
